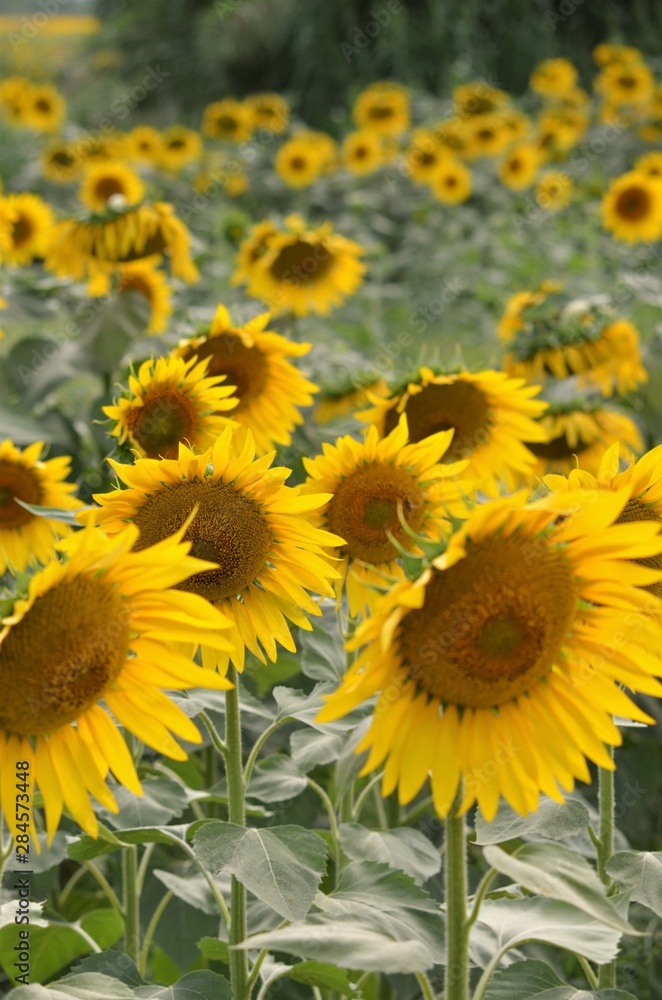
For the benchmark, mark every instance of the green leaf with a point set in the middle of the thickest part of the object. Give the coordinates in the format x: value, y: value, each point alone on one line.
x: 162, y: 799
x: 282, y: 865
x: 323, y: 975
x: 215, y: 949
x: 401, y: 848
x: 552, y: 870
x: 192, y: 889
x: 81, y: 986
x: 643, y: 871
x: 111, y: 963
x: 105, y: 926
x: 51, y: 948
x: 552, y: 820
x: 534, y: 980
x: 323, y: 656
x: 202, y: 985
x: 115, y: 324
x: 21, y: 428
x: 507, y: 923
x: 276, y: 779
x: 311, y: 748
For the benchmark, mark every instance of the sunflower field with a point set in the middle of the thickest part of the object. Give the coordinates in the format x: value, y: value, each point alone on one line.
x: 330, y: 502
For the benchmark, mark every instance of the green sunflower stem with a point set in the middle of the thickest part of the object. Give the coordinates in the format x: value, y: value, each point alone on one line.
x: 604, y: 850
x: 457, y: 930
x: 131, y: 903
x: 236, y: 814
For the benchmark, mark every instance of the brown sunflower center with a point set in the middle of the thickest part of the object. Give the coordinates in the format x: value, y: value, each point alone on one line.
x: 425, y: 159
x: 176, y: 144
x: 557, y: 449
x: 633, y: 204
x: 459, y: 405
x: 71, y: 644
x: 380, y: 112
x: 636, y: 510
x: 166, y: 417
x: 226, y: 123
x: 297, y: 163
x: 229, y: 529
x: 365, y: 506
x: 22, y: 230
x: 246, y: 368
x: 136, y: 283
x: 106, y: 187
x: 302, y: 262
x: 43, y: 105
x: 63, y: 158
x: 17, y: 483
x: 492, y: 625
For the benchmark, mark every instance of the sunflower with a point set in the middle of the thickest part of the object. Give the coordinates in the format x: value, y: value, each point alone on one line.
x: 518, y: 168
x: 44, y: 108
x: 60, y: 163
x: 487, y: 135
x: 144, y: 277
x: 119, y: 237
x: 517, y: 306
x: 270, y: 111
x: 632, y: 208
x: 171, y: 400
x: 579, y: 432
x: 30, y: 229
x: 143, y: 143
x: 423, y: 156
x: 362, y: 151
x: 253, y: 248
x: 494, y: 667
x: 650, y: 164
x: 24, y: 475
x: 254, y: 360
x: 253, y: 527
x: 299, y: 162
x: 553, y: 78
x: 478, y: 98
x: 178, y: 147
x: 492, y: 416
x: 626, y: 83
x: 306, y: 270
x: 582, y: 342
x: 376, y: 487
x: 93, y: 629
x: 451, y: 182
x: 554, y: 191
x: 322, y: 143
x: 13, y: 91
x: 452, y: 136
x: 110, y: 179
x: 230, y: 120
x: 343, y: 402
x: 605, y: 54
x: 382, y: 107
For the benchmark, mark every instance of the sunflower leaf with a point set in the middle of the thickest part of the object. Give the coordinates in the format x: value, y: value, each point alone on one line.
x: 641, y: 870
x: 551, y: 820
x: 402, y: 848
x: 323, y: 656
x: 534, y: 980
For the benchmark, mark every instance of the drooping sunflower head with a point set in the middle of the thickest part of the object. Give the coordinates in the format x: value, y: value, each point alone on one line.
x: 144, y: 278
x: 491, y: 416
x: 577, y: 434
x: 632, y: 208
x: 44, y: 108
x: 25, y: 537
x: 299, y: 162
x: 179, y: 146
x: 170, y: 401
x: 492, y: 666
x: 268, y: 389
x: 362, y: 151
x: 93, y: 629
x: 518, y: 168
x: 553, y: 77
x: 232, y: 121
x: 110, y: 179
x: 270, y: 111
x: 255, y: 529
x: 554, y: 191
x: 382, y: 107
x: 451, y: 181
x: 30, y: 228
x: 380, y: 491
x: 306, y: 270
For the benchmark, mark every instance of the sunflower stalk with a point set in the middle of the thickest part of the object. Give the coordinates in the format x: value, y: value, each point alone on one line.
x: 236, y: 814
x: 457, y: 929
x: 131, y: 903
x: 604, y: 850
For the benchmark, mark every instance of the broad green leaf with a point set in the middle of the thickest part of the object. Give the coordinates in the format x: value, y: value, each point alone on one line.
x: 51, y: 948
x: 21, y: 428
x: 643, y: 871
x: 202, y: 985
x: 551, y: 820
x: 534, y: 980
x: 105, y: 926
x: 162, y: 799
x: 323, y: 656
x: 192, y: 889
x: 507, y: 923
x: 80, y: 986
x: 323, y: 975
x: 215, y: 949
x: 552, y: 870
x: 282, y: 866
x: 311, y: 748
x: 276, y: 779
x: 114, y: 324
x: 111, y: 963
x: 401, y: 848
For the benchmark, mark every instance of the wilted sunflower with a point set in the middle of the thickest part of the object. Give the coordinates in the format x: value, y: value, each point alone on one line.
x: 44, y: 108
x: 382, y: 107
x: 299, y: 162
x: 375, y: 486
x: 60, y: 162
x: 362, y: 152
x: 253, y: 360
x: 30, y: 229
x: 492, y: 416
x: 495, y: 666
x: 110, y: 179
x: 178, y: 147
x: 92, y: 629
x: 247, y: 522
x: 25, y: 537
x: 229, y: 120
x: 553, y: 78
x: 451, y: 181
x: 171, y: 400
x: 143, y: 143
x: 270, y: 111
x: 119, y: 237
x: 632, y: 208
x: 578, y: 434
x: 554, y: 191
x: 144, y: 277
x: 306, y: 270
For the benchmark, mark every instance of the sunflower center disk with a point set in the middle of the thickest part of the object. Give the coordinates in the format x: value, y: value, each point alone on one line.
x: 135, y: 283
x: 22, y: 230
x: 492, y: 625
x: 365, y: 506
x: 229, y: 529
x: 246, y: 368
x: 17, y: 482
x: 106, y: 187
x: 438, y: 408
x: 633, y: 203
x: 635, y: 510
x: 165, y: 419
x: 67, y: 650
x: 302, y: 263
